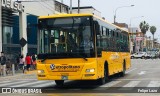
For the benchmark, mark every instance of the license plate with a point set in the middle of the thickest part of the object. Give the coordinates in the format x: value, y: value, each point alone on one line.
x: 64, y: 77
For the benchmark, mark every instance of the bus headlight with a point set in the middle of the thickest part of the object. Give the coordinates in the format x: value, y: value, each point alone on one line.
x: 90, y: 70
x: 40, y: 71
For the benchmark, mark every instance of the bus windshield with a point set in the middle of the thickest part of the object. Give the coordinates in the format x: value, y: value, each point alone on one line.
x: 66, y: 37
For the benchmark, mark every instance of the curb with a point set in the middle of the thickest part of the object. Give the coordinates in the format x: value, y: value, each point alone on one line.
x: 31, y: 72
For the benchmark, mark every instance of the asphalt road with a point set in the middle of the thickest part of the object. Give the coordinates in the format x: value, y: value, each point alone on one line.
x: 142, y: 77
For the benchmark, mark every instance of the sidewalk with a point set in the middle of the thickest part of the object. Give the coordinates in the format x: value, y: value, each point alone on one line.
x: 10, y: 74
x: 31, y: 75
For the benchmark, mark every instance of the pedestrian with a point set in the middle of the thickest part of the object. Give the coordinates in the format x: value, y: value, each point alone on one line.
x: 28, y: 61
x: 3, y: 63
x: 8, y: 66
x: 21, y: 63
x: 17, y: 62
x: 34, y: 61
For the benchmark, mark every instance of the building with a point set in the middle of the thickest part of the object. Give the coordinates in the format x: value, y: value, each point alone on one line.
x: 19, y: 20
x: 8, y: 9
x: 44, y: 7
x: 136, y: 39
x: 124, y: 26
x: 148, y: 43
x: 87, y: 9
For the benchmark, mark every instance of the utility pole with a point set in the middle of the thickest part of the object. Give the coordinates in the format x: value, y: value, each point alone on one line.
x: 0, y: 26
x: 117, y: 9
x: 78, y: 6
x: 61, y: 1
x: 70, y: 6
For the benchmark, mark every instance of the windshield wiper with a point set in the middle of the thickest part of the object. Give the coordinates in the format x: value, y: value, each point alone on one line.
x: 85, y: 58
x: 81, y: 56
x: 43, y: 59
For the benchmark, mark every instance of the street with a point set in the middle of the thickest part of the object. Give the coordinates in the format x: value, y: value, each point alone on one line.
x: 142, y: 74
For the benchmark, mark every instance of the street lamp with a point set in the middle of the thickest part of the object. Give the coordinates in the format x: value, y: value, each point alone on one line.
x: 131, y: 21
x: 70, y: 7
x: 117, y: 9
x: 78, y: 6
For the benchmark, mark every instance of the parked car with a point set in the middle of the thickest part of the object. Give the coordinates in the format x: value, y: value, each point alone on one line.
x: 148, y: 56
x: 141, y: 55
x: 154, y: 55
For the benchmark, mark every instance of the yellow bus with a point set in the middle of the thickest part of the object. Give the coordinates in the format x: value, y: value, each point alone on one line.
x: 80, y: 47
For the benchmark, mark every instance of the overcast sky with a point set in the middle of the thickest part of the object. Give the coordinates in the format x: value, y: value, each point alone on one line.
x: 150, y: 9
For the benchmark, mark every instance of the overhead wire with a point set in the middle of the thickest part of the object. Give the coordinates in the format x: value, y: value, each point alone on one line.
x: 52, y: 10
x: 49, y: 4
x: 40, y: 2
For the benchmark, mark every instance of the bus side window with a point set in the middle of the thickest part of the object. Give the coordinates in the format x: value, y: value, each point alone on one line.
x: 107, y: 35
x: 97, y: 32
x: 62, y: 39
x: 97, y: 27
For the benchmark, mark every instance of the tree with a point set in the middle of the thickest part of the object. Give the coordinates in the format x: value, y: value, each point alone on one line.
x: 144, y: 28
x: 153, y: 30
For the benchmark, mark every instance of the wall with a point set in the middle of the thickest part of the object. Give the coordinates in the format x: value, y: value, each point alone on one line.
x: 89, y: 11
x: 40, y: 8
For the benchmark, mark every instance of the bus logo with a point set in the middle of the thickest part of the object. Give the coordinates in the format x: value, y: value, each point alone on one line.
x: 52, y: 66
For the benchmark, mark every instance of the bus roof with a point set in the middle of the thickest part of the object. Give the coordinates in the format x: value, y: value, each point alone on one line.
x: 76, y: 15
x: 64, y: 15
x: 111, y: 24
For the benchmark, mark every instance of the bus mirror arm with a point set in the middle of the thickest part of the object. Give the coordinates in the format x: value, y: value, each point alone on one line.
x: 43, y: 59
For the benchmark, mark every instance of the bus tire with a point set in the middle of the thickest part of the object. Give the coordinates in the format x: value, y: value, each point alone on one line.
x: 142, y: 57
x: 103, y: 80
x: 59, y: 83
x: 124, y: 69
x: 132, y: 57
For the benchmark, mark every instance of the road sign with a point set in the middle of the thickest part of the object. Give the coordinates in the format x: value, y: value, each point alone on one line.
x: 22, y: 42
x: 139, y: 38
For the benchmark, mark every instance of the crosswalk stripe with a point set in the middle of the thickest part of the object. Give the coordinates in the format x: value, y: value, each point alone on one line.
x: 45, y: 84
x: 130, y: 70
x: 110, y: 84
x: 29, y: 83
x: 1, y: 82
x: 154, y: 84
x: 132, y: 84
x: 10, y: 83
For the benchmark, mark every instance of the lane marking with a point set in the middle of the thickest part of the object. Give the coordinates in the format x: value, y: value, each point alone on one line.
x: 45, y: 84
x: 142, y: 73
x: 131, y: 70
x: 17, y: 82
x: 29, y: 83
x: 141, y: 79
x: 4, y: 82
x: 154, y: 84
x: 132, y: 84
x: 110, y: 84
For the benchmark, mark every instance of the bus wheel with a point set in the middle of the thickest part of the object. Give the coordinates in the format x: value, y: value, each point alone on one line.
x: 124, y: 69
x: 132, y: 57
x: 143, y: 57
x: 59, y: 83
x: 103, y: 80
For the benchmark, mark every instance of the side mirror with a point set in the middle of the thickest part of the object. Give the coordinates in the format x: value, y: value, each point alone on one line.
x: 97, y: 27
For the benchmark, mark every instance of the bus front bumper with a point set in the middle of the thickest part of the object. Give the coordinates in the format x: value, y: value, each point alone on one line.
x: 89, y: 76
